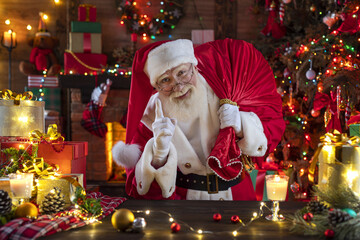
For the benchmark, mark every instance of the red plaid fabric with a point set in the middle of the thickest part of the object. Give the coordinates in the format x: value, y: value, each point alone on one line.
x: 91, y: 120
x: 26, y: 229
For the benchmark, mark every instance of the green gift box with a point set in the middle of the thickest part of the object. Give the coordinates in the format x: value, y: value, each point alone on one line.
x: 86, y: 27
x: 354, y: 130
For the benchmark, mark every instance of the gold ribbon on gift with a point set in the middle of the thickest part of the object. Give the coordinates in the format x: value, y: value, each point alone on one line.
x: 87, y: 9
x: 334, y: 138
x: 51, y: 135
x: 37, y: 167
x: 7, y: 94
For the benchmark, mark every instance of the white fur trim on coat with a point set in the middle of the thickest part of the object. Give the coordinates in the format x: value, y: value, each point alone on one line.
x: 126, y: 155
x: 165, y: 176
x: 168, y: 55
x: 254, y: 142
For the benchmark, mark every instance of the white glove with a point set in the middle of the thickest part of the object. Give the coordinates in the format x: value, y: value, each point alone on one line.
x: 100, y: 93
x: 163, y: 129
x: 229, y: 116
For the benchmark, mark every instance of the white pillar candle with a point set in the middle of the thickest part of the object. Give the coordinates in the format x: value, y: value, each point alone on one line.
x: 21, y: 184
x: 276, y: 187
x: 9, y: 38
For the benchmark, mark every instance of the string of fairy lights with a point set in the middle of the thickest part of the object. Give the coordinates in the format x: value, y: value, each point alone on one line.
x: 235, y: 219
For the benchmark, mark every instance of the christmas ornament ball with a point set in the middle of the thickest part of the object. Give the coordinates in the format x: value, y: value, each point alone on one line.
x: 217, y: 217
x: 308, y: 216
x: 235, y: 219
x: 175, y: 227
x: 315, y: 113
x: 310, y: 74
x: 329, y: 233
x: 28, y: 210
x: 122, y: 219
x: 139, y: 224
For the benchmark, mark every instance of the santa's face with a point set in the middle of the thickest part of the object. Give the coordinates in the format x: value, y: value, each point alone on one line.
x: 184, y: 93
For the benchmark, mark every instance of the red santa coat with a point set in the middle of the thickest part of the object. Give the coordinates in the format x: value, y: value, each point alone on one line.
x: 252, y: 87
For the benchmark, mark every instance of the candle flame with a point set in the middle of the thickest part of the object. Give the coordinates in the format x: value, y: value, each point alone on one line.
x: 277, y: 178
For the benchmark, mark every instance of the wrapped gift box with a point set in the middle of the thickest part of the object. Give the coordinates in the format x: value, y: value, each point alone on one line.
x: 202, y: 36
x: 85, y: 42
x: 340, y: 163
x: 70, y: 156
x: 85, y: 27
x: 87, y: 12
x: 63, y: 183
x: 354, y: 130
x: 81, y: 63
x: 20, y: 119
x: 39, y: 81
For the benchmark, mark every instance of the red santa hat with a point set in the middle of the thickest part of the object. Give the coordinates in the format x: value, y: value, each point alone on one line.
x: 149, y: 63
x: 42, y: 29
x: 168, y: 55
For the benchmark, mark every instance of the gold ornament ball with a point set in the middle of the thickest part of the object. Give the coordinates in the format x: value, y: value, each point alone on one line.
x: 27, y: 210
x: 122, y: 219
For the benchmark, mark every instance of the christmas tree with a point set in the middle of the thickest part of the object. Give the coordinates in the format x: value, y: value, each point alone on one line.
x: 313, y: 49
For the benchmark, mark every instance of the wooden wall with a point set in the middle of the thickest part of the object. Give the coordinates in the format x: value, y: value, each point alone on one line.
x: 24, y: 12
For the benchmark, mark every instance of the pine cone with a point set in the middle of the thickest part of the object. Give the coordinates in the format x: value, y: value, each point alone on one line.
x: 53, y: 202
x: 316, y: 207
x: 5, y: 203
x: 338, y: 216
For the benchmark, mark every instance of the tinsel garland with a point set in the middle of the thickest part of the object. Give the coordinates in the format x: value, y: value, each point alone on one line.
x: 335, y: 196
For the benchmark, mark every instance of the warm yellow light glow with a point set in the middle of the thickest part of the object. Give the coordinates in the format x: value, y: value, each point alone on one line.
x: 200, y: 231
x: 52, y: 191
x: 277, y: 178
x: 23, y: 119
x: 56, y: 1
x: 255, y: 214
x: 28, y: 27
x: 234, y: 233
x: 171, y: 219
x: 350, y: 176
x: 7, y: 21
x: 262, y: 204
x: 46, y: 17
x: 147, y: 212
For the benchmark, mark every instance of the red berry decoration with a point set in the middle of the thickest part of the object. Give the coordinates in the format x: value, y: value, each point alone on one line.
x: 329, y: 233
x: 308, y: 217
x: 175, y: 227
x: 217, y: 217
x: 235, y: 219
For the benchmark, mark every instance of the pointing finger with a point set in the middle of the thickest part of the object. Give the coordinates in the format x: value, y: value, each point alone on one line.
x: 158, y: 109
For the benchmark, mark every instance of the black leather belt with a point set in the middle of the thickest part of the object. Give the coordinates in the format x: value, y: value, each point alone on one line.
x: 210, y: 183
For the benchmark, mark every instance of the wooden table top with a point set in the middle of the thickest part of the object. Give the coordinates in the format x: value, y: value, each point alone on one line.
x: 197, y: 214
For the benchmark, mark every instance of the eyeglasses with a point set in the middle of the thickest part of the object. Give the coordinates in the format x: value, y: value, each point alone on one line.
x: 168, y: 84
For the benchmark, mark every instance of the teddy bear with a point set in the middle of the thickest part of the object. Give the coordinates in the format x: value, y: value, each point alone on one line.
x: 42, y: 56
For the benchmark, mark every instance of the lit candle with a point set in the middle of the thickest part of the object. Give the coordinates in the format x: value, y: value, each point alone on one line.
x: 21, y: 184
x: 9, y: 38
x: 276, y: 187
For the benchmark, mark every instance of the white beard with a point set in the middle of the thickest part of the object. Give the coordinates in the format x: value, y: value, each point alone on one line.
x: 189, y: 108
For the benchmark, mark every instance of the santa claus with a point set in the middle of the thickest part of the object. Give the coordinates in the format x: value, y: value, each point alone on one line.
x: 192, y: 115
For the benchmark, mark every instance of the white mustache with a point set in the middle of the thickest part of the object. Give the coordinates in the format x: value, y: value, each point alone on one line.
x: 182, y: 92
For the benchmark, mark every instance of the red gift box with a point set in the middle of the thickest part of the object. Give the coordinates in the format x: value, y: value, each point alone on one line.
x: 40, y: 81
x: 80, y: 63
x: 70, y: 156
x: 87, y: 13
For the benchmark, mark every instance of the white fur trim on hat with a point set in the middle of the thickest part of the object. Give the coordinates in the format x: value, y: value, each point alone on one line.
x: 167, y: 56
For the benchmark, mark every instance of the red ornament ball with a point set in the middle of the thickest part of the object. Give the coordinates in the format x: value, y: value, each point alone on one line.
x: 308, y: 217
x: 217, y: 217
x: 329, y: 233
x: 175, y: 227
x: 235, y: 219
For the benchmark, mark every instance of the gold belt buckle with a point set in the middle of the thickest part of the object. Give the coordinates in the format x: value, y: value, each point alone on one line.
x: 208, y: 183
